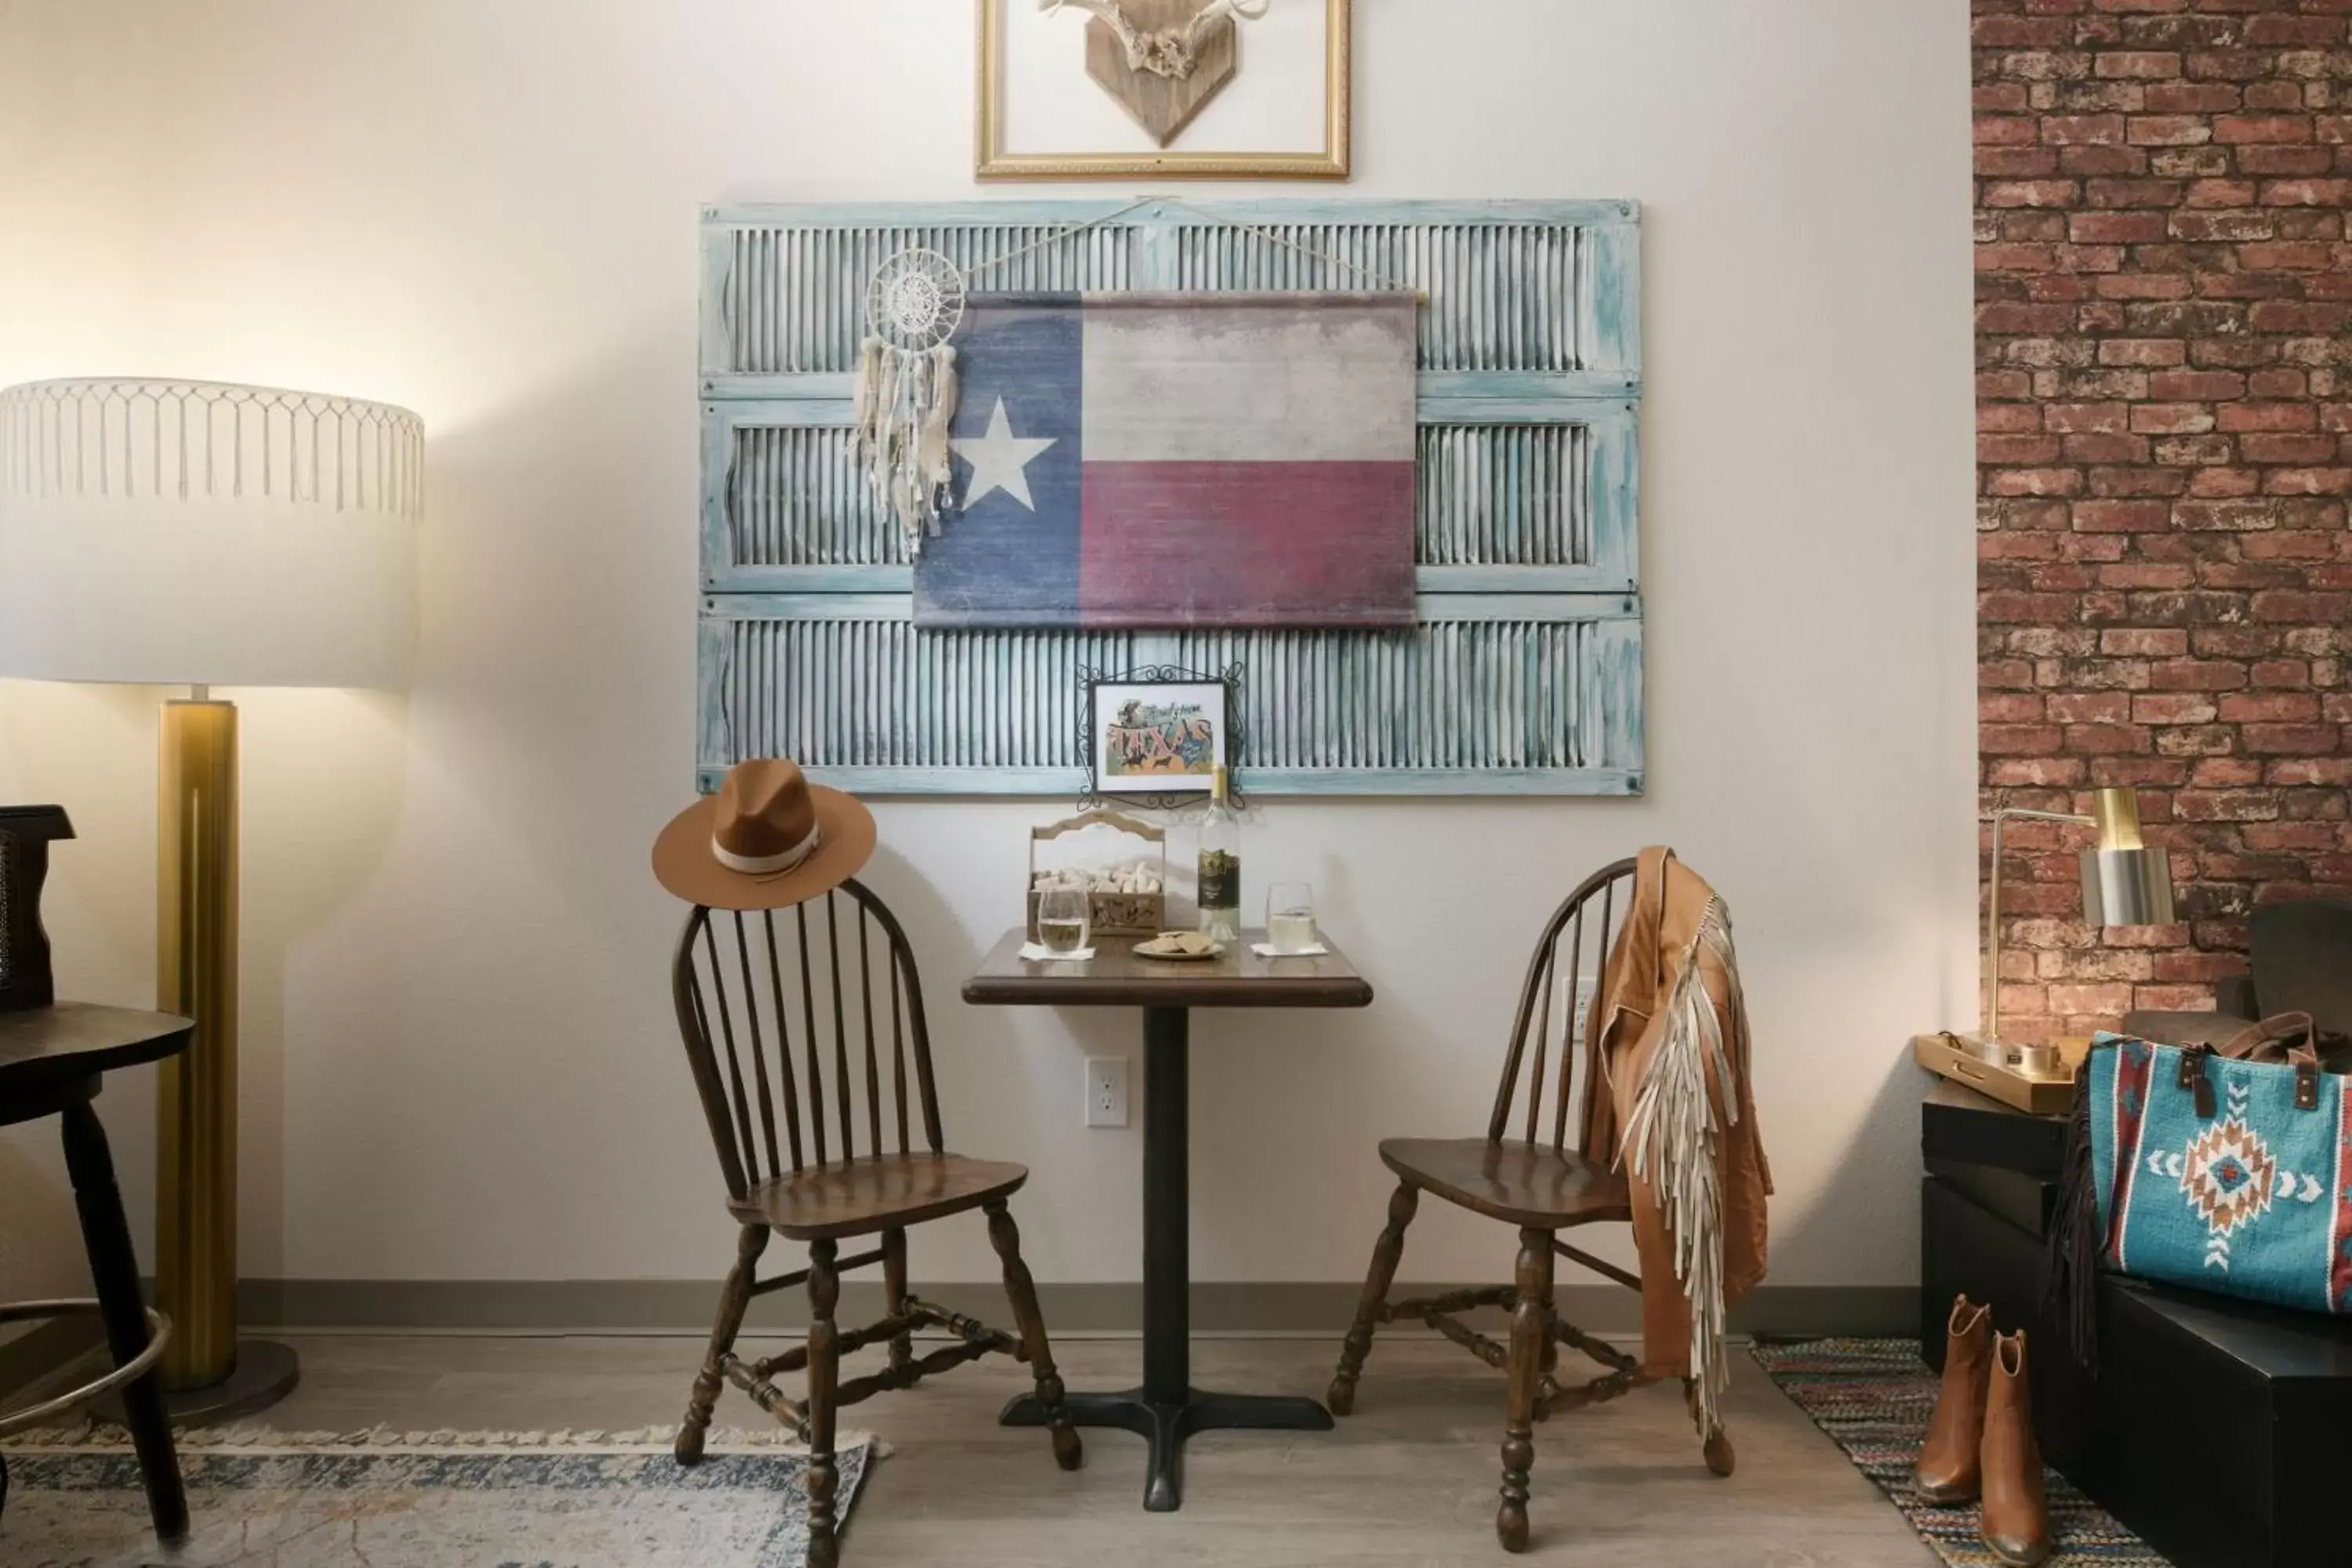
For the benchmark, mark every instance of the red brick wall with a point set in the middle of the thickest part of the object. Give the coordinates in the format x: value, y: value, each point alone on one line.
x: 2165, y: 451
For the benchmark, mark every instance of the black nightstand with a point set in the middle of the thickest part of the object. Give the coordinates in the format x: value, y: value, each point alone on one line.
x: 2218, y: 1429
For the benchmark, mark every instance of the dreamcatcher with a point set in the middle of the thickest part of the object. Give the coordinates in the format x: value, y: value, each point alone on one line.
x: 906, y: 396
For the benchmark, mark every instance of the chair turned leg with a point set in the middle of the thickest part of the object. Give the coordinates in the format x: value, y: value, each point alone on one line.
x: 733, y: 1300
x: 894, y: 1295
x: 823, y: 1378
x: 1021, y: 1290
x: 1720, y: 1459
x: 1341, y: 1396
x: 1530, y: 1327
x: 114, y: 1268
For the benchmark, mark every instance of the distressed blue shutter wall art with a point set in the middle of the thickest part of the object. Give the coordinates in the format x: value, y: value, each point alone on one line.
x: 1524, y: 676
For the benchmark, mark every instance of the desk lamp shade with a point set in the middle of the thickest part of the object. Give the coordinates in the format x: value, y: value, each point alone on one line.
x: 2125, y: 882
x: 196, y: 533
x: 190, y: 532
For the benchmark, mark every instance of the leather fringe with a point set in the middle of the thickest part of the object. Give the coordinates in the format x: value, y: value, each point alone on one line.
x: 1674, y: 1144
x: 2070, y: 1276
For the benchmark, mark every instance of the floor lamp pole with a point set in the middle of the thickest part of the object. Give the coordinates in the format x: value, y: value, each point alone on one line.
x: 208, y: 1373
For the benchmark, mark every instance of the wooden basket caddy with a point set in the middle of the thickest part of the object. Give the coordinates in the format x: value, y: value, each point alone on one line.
x: 1111, y: 913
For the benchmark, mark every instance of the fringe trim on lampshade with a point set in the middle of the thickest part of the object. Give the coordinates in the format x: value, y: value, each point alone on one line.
x: 1675, y: 1142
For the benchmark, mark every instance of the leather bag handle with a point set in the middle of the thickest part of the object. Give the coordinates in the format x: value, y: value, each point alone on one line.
x: 2268, y: 1041
x: 2265, y: 1043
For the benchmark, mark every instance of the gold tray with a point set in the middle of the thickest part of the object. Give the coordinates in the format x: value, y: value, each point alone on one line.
x: 2019, y: 1092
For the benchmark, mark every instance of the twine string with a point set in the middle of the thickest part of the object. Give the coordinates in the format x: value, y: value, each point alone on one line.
x: 1369, y: 273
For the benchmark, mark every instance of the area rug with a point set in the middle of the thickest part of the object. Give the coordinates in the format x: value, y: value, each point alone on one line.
x: 1873, y: 1397
x: 259, y: 1498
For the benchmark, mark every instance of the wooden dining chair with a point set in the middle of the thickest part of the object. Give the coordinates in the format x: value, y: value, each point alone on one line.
x: 1538, y: 1182
x: 751, y: 990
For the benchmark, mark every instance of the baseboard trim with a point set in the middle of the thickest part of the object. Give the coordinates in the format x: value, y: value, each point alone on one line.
x: 683, y: 1306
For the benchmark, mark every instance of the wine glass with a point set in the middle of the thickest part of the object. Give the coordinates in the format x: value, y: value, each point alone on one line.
x: 1290, y: 917
x: 1063, y: 919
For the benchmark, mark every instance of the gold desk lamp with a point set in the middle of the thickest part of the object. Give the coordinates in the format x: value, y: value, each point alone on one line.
x: 2126, y: 882
x: 176, y: 533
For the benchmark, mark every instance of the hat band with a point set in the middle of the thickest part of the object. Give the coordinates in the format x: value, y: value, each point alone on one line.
x: 767, y: 865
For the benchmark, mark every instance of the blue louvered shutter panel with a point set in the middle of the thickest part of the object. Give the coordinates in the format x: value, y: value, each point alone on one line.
x: 1524, y: 676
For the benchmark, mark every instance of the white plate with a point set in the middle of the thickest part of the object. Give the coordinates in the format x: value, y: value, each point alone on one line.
x: 1145, y: 948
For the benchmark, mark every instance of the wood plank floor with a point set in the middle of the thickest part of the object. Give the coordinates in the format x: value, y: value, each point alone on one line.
x: 1409, y: 1479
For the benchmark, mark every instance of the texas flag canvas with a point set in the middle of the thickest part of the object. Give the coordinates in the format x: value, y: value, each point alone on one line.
x: 1172, y: 460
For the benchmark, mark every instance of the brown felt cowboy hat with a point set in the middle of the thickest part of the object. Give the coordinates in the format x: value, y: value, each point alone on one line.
x: 766, y: 840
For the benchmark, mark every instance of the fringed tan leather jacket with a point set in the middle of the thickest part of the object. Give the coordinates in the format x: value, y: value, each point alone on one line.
x: 1676, y: 1110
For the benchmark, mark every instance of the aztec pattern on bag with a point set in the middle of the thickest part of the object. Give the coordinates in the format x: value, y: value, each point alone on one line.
x: 2250, y: 1201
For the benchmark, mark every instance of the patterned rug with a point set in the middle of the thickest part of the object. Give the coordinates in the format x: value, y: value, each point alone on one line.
x: 1874, y: 1398
x: 259, y: 1498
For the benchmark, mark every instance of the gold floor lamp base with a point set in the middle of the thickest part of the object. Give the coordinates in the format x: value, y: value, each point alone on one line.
x: 266, y: 1371
x: 207, y: 1372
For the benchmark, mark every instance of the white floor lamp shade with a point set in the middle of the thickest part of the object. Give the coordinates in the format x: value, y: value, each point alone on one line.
x: 191, y: 532
x: 200, y: 534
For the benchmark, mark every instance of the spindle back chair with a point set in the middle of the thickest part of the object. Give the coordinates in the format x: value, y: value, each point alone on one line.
x: 768, y: 1011
x: 1543, y: 1181
x: 1535, y: 1012
x: 811, y: 1053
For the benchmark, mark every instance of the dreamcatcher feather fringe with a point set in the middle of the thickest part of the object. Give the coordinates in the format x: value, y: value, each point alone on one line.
x: 904, y: 406
x: 1674, y: 1141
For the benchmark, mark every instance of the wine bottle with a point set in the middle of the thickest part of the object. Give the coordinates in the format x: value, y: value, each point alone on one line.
x: 1221, y: 864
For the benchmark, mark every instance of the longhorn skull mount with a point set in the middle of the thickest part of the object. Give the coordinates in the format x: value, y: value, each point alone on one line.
x: 1170, y: 52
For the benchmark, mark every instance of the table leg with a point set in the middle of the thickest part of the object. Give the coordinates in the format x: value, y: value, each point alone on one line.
x: 1168, y: 1409
x: 115, y: 1269
x: 1166, y: 1206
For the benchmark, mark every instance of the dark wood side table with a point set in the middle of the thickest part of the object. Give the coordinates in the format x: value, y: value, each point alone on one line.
x: 1167, y: 1409
x: 53, y: 1062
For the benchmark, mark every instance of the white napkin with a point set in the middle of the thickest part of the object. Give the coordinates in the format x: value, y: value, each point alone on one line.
x: 1038, y: 952
x: 1267, y: 950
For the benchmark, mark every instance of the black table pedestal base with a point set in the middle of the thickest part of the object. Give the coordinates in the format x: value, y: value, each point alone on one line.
x: 1168, y: 1409
x: 1165, y: 1424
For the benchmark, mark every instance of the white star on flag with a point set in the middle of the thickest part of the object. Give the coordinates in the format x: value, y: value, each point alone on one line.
x: 999, y: 460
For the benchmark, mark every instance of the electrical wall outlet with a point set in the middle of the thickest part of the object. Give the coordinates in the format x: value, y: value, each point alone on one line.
x: 1106, y: 1091
x: 1586, y: 985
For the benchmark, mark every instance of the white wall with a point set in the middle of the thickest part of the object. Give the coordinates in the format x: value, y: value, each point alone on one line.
x: 460, y: 1056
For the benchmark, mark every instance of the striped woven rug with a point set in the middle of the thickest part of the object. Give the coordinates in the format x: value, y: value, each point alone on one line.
x: 1874, y: 1398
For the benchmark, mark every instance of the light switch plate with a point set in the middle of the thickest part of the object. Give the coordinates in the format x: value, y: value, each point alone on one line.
x: 1106, y: 1091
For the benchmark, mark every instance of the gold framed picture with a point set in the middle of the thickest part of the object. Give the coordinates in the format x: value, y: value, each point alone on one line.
x: 1210, y: 89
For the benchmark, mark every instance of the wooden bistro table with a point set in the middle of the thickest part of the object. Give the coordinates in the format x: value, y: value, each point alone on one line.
x: 1168, y: 1409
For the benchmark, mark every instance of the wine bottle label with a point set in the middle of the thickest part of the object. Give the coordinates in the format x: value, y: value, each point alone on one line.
x: 1221, y: 880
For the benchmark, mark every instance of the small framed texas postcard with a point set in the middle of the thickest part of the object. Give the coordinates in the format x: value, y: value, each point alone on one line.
x: 1158, y: 737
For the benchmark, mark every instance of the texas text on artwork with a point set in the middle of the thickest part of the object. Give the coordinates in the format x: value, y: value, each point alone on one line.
x: 1142, y: 461
x: 1160, y: 740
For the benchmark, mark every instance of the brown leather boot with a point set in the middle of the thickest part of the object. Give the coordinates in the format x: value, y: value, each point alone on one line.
x: 2016, y: 1510
x: 1947, y: 1471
